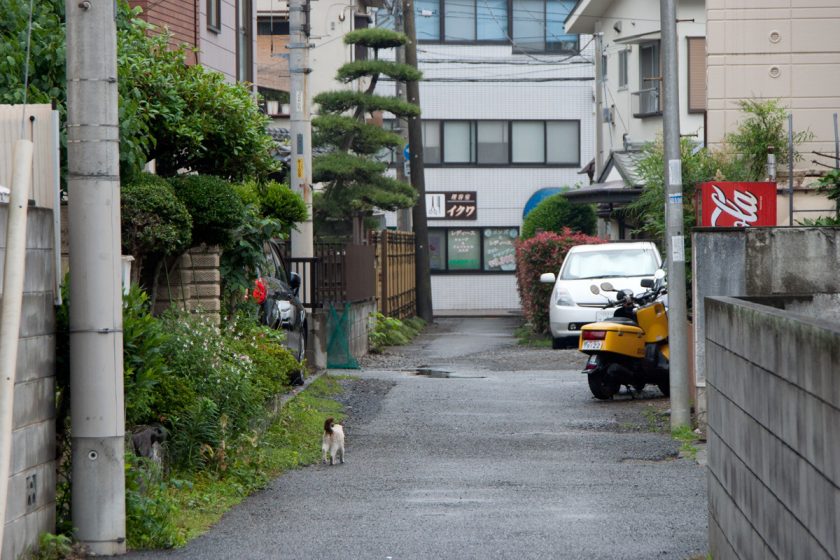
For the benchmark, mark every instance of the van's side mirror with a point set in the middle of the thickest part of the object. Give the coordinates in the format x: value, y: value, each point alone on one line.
x: 547, y: 278
x: 647, y: 282
x: 294, y: 282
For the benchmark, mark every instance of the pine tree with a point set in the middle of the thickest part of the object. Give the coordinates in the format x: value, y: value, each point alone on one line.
x: 354, y: 180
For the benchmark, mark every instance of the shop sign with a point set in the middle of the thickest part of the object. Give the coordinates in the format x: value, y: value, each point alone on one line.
x: 460, y: 205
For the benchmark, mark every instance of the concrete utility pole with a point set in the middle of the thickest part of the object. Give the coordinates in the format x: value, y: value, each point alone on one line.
x: 418, y: 180
x: 96, y: 339
x: 674, y: 236
x: 599, y: 104
x: 301, y: 126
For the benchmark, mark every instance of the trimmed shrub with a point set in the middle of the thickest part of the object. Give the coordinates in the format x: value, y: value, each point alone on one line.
x: 543, y: 253
x: 556, y: 213
x: 154, y: 220
x: 214, y: 205
x: 280, y: 202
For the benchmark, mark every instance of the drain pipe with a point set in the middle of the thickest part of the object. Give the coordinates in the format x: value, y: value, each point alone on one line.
x: 11, y: 308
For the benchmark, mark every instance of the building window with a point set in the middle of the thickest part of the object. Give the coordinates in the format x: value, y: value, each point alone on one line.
x: 271, y: 26
x: 244, y: 43
x: 562, y: 145
x: 459, y: 142
x: 495, y: 143
x: 696, y: 74
x: 539, y: 26
x: 650, y: 81
x: 427, y: 20
x: 622, y: 68
x: 431, y: 142
x: 214, y: 15
x: 472, y: 249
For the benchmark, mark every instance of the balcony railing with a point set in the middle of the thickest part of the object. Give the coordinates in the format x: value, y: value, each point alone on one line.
x: 647, y: 102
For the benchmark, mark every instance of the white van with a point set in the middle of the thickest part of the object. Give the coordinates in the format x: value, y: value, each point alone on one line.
x: 573, y: 305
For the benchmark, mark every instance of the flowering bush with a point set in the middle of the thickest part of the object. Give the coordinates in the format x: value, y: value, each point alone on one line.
x: 542, y: 253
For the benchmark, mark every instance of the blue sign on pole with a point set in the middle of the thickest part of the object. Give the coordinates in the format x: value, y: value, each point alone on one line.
x: 406, y: 152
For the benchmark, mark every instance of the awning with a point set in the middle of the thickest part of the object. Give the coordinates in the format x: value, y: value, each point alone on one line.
x: 614, y: 192
x: 654, y: 35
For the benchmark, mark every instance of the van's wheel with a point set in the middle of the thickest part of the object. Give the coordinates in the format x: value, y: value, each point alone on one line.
x: 665, y: 387
x: 557, y: 343
x: 601, y: 385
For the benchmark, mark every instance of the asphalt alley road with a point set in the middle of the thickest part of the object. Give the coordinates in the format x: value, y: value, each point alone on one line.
x: 505, y: 456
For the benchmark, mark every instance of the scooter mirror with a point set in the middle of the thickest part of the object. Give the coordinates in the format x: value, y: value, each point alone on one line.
x: 647, y: 283
x: 607, y: 287
x: 594, y: 289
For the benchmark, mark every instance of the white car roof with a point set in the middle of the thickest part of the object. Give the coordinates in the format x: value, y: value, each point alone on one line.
x: 619, y: 246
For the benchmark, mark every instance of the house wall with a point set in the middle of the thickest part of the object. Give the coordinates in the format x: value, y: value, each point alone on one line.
x: 782, y: 49
x: 774, y: 404
x: 180, y: 17
x: 633, y: 18
x: 30, y: 507
x: 272, y: 69
x: 217, y: 50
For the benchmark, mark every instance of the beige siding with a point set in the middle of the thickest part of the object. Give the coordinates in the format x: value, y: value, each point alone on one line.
x: 785, y: 49
x: 41, y: 127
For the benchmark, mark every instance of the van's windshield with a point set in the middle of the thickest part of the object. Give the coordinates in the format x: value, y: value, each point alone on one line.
x: 609, y: 264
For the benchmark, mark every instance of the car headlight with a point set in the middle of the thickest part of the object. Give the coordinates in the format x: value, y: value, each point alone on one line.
x: 563, y: 297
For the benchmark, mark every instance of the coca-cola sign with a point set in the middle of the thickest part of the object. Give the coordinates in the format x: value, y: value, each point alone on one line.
x: 725, y: 204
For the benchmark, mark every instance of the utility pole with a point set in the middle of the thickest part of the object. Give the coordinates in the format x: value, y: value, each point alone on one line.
x: 301, y: 127
x: 599, y: 103
x: 674, y: 236
x: 415, y: 139
x: 403, y: 214
x: 96, y: 338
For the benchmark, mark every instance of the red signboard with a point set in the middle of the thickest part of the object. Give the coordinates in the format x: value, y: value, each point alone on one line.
x: 726, y: 204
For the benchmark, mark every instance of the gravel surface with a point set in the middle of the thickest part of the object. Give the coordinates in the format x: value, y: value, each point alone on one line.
x: 465, y: 445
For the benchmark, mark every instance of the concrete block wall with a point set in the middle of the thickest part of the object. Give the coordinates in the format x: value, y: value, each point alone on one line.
x: 321, y: 327
x: 30, y: 509
x: 773, y: 389
x: 194, y: 283
x: 758, y: 262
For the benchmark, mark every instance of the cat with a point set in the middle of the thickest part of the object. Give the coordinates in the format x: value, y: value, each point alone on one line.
x: 333, y: 441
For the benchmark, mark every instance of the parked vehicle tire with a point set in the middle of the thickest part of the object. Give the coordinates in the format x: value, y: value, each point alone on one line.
x: 665, y: 387
x: 601, y: 385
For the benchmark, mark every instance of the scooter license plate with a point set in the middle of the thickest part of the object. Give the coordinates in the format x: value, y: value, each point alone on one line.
x: 592, y: 344
x: 603, y: 314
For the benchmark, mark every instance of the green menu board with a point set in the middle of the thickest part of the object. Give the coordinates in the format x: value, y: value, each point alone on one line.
x: 499, y: 251
x: 464, y: 249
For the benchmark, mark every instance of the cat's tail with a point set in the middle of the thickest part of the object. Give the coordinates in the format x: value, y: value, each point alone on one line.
x: 328, y: 424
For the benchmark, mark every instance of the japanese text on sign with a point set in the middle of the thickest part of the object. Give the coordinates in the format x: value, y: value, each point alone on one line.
x: 451, y: 205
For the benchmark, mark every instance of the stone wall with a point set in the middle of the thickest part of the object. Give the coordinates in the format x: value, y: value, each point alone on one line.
x: 30, y: 509
x: 758, y: 262
x: 193, y: 282
x: 773, y: 390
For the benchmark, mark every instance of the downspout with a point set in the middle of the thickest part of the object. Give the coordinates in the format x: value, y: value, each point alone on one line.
x: 13, y: 276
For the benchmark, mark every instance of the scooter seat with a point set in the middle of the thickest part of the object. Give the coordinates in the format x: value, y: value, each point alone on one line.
x: 620, y: 321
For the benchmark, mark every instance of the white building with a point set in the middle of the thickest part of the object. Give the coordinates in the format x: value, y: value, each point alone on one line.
x: 507, y: 107
x: 629, y: 89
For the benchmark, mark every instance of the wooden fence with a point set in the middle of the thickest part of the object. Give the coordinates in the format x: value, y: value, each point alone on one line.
x: 396, y: 294
x: 339, y: 272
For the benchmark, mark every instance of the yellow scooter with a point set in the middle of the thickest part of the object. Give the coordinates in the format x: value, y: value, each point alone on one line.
x: 631, y: 348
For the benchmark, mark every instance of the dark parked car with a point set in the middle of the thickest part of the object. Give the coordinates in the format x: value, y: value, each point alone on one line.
x: 276, y: 291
